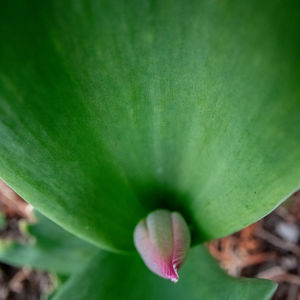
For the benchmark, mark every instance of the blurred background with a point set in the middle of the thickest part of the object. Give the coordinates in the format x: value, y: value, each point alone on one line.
x: 269, y: 248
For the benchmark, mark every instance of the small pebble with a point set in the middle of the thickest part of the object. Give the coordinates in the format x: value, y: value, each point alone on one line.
x: 289, y: 262
x: 288, y: 231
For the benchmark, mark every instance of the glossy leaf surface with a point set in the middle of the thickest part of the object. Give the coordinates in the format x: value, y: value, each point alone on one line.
x: 111, y: 109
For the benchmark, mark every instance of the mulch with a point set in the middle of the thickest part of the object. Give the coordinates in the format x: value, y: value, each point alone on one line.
x: 269, y: 248
x: 18, y: 283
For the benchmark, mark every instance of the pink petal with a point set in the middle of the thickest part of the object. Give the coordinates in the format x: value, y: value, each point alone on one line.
x: 163, y: 240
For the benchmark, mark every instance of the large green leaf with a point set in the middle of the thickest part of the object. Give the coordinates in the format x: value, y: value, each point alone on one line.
x: 49, y: 248
x: 100, y: 275
x: 114, y: 276
x: 111, y: 108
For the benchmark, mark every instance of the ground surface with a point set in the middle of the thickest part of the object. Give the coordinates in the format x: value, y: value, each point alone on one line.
x: 268, y: 249
x: 16, y: 283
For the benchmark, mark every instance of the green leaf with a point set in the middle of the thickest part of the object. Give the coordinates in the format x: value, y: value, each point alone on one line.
x: 110, y: 109
x: 2, y: 220
x: 113, y: 276
x: 50, y: 248
x: 101, y: 275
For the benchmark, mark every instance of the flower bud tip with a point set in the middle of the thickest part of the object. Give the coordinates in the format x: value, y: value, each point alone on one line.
x: 163, y: 240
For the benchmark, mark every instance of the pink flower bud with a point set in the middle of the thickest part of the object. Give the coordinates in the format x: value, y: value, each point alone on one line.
x: 163, y: 240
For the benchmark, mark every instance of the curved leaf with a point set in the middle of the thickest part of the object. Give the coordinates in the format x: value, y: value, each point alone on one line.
x: 50, y: 248
x: 110, y: 109
x: 113, y: 276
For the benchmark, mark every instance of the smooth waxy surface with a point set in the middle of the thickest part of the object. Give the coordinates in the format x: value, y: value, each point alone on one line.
x: 111, y: 109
